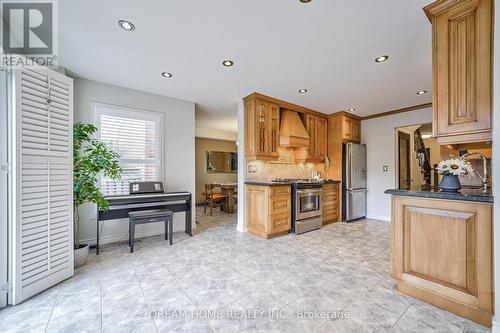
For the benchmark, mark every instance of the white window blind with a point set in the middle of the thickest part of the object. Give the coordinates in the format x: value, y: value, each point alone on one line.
x: 136, y: 136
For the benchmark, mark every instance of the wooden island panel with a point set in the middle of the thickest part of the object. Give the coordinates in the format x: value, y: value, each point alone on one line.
x: 442, y: 254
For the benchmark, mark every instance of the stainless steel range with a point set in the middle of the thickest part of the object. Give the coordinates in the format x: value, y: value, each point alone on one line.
x: 306, y: 204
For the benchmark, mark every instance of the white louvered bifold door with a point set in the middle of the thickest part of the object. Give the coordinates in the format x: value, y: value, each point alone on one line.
x: 44, y: 211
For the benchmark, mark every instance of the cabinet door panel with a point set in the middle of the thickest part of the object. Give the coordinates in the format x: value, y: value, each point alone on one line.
x: 257, y: 208
x: 444, y: 247
x: 462, y: 71
x: 277, y: 190
x: 311, y: 129
x: 347, y: 128
x: 356, y: 130
x: 250, y: 129
x: 321, y: 137
x: 261, y: 135
x: 273, y: 111
x: 280, y: 223
x: 280, y: 204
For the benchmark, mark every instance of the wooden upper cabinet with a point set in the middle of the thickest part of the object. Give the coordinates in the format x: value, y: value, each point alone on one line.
x: 311, y: 129
x: 462, y: 70
x: 261, y: 130
x: 273, y: 129
x: 317, y: 128
x: 321, y: 137
x: 356, y: 130
x: 349, y: 126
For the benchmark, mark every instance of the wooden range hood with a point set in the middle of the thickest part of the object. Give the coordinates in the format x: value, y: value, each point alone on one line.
x: 293, y: 134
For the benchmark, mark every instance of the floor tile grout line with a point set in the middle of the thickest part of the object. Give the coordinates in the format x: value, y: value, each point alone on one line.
x: 189, y: 298
x: 401, y: 316
x: 53, y: 307
x: 100, y: 293
x: 145, y: 299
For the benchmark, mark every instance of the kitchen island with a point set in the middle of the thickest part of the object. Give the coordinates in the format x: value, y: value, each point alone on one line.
x: 442, y: 249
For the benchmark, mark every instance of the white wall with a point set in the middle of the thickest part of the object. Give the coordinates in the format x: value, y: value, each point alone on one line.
x: 179, y: 150
x: 379, y: 136
x: 207, y: 133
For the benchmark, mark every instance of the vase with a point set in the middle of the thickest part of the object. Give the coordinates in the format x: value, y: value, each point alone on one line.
x: 450, y: 183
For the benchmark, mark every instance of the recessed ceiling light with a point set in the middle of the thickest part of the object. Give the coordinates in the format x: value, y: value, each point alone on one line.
x: 305, y: 1
x: 166, y: 74
x: 227, y: 63
x: 351, y: 110
x: 126, y: 25
x: 302, y: 91
x: 381, y: 58
x: 422, y: 92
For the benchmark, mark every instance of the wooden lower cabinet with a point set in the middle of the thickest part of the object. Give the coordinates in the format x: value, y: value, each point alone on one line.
x: 442, y: 254
x: 268, y: 210
x: 330, y: 203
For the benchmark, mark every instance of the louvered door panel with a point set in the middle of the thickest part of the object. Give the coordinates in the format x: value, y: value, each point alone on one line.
x: 60, y: 214
x: 35, y: 115
x: 44, y: 226
x: 34, y: 217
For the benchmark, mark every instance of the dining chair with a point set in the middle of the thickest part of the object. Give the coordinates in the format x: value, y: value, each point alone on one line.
x: 235, y: 200
x: 213, y: 199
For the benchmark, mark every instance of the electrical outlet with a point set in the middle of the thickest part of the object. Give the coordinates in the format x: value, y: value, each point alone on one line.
x: 252, y: 169
x: 385, y: 168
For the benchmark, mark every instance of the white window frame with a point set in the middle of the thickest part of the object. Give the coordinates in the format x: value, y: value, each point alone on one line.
x: 131, y: 113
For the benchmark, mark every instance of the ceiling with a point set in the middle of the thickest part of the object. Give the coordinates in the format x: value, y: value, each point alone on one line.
x: 278, y: 47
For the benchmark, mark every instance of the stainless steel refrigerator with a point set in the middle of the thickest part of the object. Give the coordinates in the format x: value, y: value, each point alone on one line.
x: 354, y: 181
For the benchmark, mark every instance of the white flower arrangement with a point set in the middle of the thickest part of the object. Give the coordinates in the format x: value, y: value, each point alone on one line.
x: 455, y: 167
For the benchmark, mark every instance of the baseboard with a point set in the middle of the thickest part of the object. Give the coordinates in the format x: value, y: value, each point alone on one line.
x: 123, y: 237
x: 378, y: 217
x: 495, y: 326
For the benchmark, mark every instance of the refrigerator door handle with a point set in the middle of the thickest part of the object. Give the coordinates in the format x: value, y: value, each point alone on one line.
x: 348, y: 165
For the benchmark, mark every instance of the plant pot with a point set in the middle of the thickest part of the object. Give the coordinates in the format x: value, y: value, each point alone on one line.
x: 450, y: 184
x: 81, y: 255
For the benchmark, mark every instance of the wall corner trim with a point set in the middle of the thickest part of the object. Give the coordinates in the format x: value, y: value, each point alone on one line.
x: 495, y: 325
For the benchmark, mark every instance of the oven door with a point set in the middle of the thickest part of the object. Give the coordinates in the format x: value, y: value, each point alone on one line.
x: 308, y: 203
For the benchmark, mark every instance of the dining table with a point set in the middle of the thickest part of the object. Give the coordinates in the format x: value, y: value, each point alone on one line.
x: 229, y: 189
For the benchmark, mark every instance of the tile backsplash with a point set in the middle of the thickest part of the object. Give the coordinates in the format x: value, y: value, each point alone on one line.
x: 269, y: 170
x: 477, y: 164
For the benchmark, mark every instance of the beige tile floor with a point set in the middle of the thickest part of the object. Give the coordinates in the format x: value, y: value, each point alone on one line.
x: 332, y: 280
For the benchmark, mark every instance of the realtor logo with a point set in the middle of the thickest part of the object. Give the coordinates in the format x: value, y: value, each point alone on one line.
x: 28, y: 30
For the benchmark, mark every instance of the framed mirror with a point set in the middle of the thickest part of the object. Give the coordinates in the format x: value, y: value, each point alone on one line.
x: 221, y: 162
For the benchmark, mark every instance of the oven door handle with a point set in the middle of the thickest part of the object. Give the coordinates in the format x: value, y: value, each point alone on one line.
x: 310, y: 192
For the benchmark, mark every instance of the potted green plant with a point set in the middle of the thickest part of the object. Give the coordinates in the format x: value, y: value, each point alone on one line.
x: 91, y: 158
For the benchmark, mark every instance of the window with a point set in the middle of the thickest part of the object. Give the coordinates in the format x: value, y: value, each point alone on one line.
x: 136, y: 136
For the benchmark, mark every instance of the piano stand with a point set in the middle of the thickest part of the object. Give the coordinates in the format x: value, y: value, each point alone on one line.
x: 120, y: 206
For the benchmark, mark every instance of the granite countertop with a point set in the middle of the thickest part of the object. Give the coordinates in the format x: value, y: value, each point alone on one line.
x: 425, y: 191
x: 268, y: 182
